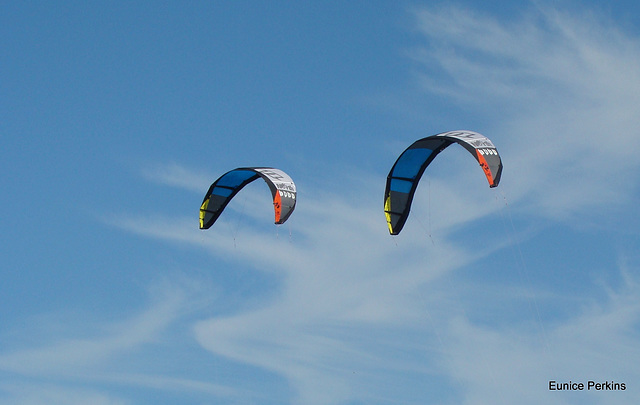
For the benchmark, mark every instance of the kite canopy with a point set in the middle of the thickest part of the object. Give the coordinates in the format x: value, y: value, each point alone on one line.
x: 229, y: 184
x: 405, y: 174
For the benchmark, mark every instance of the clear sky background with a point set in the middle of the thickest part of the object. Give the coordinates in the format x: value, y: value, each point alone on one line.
x: 115, y: 117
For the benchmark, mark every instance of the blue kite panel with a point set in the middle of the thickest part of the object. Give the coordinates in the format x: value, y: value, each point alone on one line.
x: 235, y: 178
x: 409, y: 164
x: 401, y: 186
x: 222, y: 191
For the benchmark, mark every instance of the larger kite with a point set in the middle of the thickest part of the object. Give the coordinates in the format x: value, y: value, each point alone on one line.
x: 405, y: 174
x: 229, y: 184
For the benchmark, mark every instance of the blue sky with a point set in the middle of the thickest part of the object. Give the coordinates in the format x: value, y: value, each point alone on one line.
x: 116, y: 116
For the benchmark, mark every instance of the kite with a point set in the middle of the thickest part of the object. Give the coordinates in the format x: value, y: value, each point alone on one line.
x: 405, y: 174
x: 229, y: 184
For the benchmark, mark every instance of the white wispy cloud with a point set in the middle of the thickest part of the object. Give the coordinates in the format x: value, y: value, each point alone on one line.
x: 563, y: 88
x: 515, y: 364
x: 17, y: 393
x: 75, y: 355
x: 66, y: 369
x: 176, y: 175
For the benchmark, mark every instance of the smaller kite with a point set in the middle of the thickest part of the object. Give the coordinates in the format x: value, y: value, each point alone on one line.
x: 405, y: 174
x: 229, y: 184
